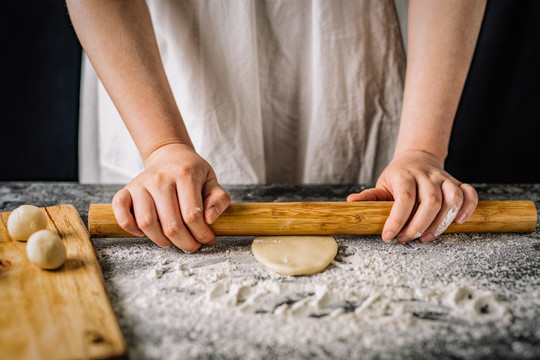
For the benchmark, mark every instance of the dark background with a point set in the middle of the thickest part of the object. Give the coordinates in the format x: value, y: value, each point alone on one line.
x: 494, y: 140
x: 39, y: 91
x: 497, y: 127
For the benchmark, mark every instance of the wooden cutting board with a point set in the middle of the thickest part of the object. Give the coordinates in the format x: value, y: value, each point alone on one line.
x: 61, y: 314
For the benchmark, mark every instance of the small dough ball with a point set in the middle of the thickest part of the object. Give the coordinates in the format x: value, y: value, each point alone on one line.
x: 46, y: 250
x: 26, y: 220
x: 295, y: 255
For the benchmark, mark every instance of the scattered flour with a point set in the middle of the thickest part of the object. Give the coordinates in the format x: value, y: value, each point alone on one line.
x: 196, y: 310
x: 387, y: 297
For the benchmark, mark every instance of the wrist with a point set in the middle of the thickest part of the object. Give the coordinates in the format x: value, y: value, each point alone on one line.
x: 435, y: 146
x: 420, y: 153
x: 173, y: 145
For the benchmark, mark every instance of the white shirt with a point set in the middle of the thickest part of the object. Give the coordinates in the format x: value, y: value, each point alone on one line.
x: 276, y: 91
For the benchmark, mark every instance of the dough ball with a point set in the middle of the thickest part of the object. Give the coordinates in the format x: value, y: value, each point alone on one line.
x: 26, y: 220
x: 46, y: 250
x: 294, y: 255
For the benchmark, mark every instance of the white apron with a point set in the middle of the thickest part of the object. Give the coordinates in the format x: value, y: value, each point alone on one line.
x: 270, y: 91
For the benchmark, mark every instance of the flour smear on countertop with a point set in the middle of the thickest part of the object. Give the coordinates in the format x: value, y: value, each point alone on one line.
x: 375, y: 299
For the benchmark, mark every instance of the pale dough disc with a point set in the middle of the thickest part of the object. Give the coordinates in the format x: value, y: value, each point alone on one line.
x: 294, y: 255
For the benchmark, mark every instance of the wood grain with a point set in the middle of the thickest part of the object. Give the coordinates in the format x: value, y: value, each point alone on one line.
x: 331, y: 218
x: 61, y: 314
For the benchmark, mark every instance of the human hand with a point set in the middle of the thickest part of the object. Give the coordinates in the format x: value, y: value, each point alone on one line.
x: 418, y: 178
x: 173, y: 201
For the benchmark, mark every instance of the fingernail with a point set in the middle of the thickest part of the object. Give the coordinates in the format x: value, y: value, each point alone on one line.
x: 427, y: 237
x: 417, y: 235
x: 388, y: 236
x: 402, y: 238
x: 462, y: 217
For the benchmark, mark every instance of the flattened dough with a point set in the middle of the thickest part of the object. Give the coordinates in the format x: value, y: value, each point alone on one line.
x: 294, y: 255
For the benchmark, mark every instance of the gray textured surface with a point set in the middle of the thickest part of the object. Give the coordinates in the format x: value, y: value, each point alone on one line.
x: 175, y: 305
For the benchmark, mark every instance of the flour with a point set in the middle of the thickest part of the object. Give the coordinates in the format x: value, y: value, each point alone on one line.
x: 448, y: 219
x: 386, y: 297
x: 156, y: 272
x: 481, y: 305
x: 376, y: 301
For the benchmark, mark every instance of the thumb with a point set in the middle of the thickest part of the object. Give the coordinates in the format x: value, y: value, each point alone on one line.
x: 215, y: 202
x: 374, y: 194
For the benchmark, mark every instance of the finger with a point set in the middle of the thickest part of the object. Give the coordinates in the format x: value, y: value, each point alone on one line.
x: 404, y: 191
x: 216, y: 200
x: 191, y: 205
x: 430, y: 202
x: 452, y: 201
x: 374, y: 194
x: 172, y: 225
x: 470, y: 201
x: 122, y: 204
x: 146, y: 216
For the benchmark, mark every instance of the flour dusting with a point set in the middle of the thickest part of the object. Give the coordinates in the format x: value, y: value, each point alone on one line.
x: 448, y: 219
x: 385, y: 296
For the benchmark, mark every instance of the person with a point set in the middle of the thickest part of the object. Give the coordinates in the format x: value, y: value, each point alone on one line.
x: 276, y: 91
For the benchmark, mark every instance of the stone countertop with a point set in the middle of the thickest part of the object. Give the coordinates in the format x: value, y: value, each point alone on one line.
x: 464, y: 295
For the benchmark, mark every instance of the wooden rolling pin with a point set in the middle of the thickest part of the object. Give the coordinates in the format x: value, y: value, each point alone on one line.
x: 330, y: 218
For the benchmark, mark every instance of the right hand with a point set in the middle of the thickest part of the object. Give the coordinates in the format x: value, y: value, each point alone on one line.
x: 173, y: 201
x: 418, y: 178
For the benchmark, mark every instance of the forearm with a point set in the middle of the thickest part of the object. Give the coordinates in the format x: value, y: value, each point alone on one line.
x: 441, y: 39
x: 118, y: 37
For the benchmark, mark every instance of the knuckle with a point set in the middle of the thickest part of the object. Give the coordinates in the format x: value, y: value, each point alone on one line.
x: 117, y: 199
x: 159, y: 178
x: 220, y: 199
x: 125, y: 224
x: 433, y: 176
x: 172, y: 229
x: 456, y: 197
x: 225, y: 197
x: 433, y: 200
x: 189, y: 171
x: 193, y: 215
x: 407, y: 195
x: 145, y: 222
x: 470, y: 194
x: 120, y: 199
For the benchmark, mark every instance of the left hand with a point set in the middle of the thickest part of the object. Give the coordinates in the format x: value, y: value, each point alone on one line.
x: 413, y: 178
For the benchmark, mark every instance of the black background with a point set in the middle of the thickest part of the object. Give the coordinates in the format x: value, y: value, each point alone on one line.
x: 496, y: 134
x: 39, y: 85
x: 494, y: 140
